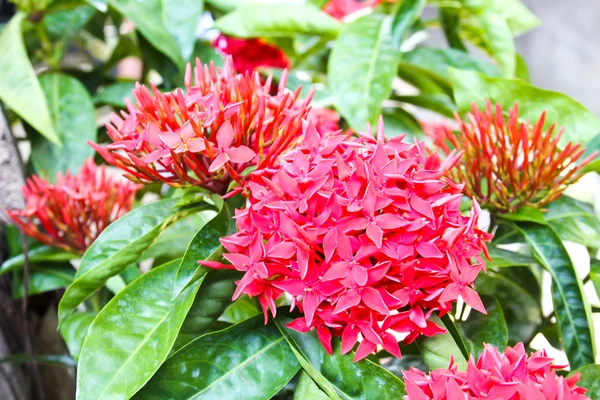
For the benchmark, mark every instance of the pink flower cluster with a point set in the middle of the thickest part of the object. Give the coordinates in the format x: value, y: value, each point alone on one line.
x: 512, y: 375
x: 73, y: 212
x: 250, y: 54
x: 366, y: 236
x: 224, y: 125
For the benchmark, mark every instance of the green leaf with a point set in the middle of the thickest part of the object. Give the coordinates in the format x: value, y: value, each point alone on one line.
x: 573, y: 313
x: 115, y: 94
x: 205, y: 245
x: 180, y: 18
x: 590, y: 379
x: 277, y: 20
x: 48, y: 359
x: 74, y: 121
x: 146, y: 16
x: 437, y: 61
x: 132, y: 336
x: 240, y: 310
x: 521, y: 308
x: 595, y: 275
x: 526, y: 214
x: 246, y: 361
x: 361, y: 68
x: 580, y: 124
x: 337, y: 375
x: 398, y: 122
x: 456, y: 336
x: 211, y: 301
x: 519, y: 18
x: 436, y: 350
x: 36, y: 255
x: 450, y: 21
x: 408, y: 12
x: 439, y: 103
x: 62, y: 25
x: 574, y: 220
x: 480, y: 329
x: 308, y: 389
x: 74, y: 330
x: 19, y: 87
x: 43, y: 278
x: 504, y: 258
x: 120, y: 244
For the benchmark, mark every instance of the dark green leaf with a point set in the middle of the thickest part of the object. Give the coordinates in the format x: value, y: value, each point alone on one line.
x: 240, y: 310
x: 173, y: 242
x: 450, y: 21
x: 74, y: 329
x: 308, y: 389
x: 246, y: 361
x: 439, y: 103
x: 437, y: 61
x: 580, y: 124
x: 62, y: 25
x: 19, y: 87
x: 436, y: 350
x: 132, y: 336
x: 146, y: 16
x: 127, y: 46
x: 115, y: 94
x: 456, y: 336
x: 595, y: 275
x: 37, y: 255
x: 574, y: 220
x: 408, y: 12
x: 480, y: 329
x: 180, y: 18
x: 590, y: 379
x: 337, y: 375
x: 526, y: 214
x: 59, y: 359
x: 504, y: 258
x: 398, y: 122
x: 361, y: 69
x: 74, y: 120
x: 43, y: 278
x: 205, y: 245
x: 213, y: 298
x: 277, y: 20
x: 120, y: 244
x: 573, y: 313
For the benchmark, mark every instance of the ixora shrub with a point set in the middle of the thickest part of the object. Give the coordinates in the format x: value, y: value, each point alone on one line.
x: 274, y: 222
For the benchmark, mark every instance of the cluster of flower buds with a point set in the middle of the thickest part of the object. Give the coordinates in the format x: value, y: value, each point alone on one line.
x: 72, y: 213
x: 224, y: 125
x: 251, y: 54
x: 508, y: 164
x: 365, y: 235
x: 512, y: 375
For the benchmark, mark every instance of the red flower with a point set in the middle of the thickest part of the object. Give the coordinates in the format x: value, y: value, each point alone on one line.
x: 324, y: 119
x: 508, y: 164
x: 250, y: 54
x: 72, y: 213
x: 366, y: 236
x: 512, y: 375
x: 224, y: 125
x: 340, y: 8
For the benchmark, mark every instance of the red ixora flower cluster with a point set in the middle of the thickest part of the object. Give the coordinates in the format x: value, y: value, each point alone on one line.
x: 224, y: 125
x: 250, y: 54
x: 512, y: 375
x: 366, y: 236
x: 72, y: 213
x: 340, y: 8
x: 508, y: 164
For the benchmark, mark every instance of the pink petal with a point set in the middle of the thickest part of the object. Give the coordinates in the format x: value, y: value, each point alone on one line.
x: 225, y: 135
x: 218, y: 162
x: 429, y: 250
x: 240, y: 154
x: 196, y: 145
x: 324, y: 336
x: 283, y: 250
x: 365, y: 349
x: 338, y: 270
x: 375, y: 233
x: 310, y: 304
x: 349, y: 338
x: 350, y: 299
x: 391, y: 345
x: 360, y: 275
x: 421, y: 206
x: 472, y: 299
x: 172, y: 140
x: 372, y: 298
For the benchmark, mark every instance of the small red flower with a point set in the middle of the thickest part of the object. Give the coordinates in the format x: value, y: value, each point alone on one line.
x: 340, y: 8
x: 365, y: 235
x: 508, y: 164
x: 224, y: 125
x: 72, y: 213
x: 250, y: 54
x: 512, y: 375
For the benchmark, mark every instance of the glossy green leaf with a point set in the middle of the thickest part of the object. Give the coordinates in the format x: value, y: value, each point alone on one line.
x: 450, y: 21
x: 590, y: 379
x: 37, y: 255
x: 74, y: 330
x: 408, y: 12
x: 595, y: 274
x: 438, y: 60
x: 211, y: 301
x: 43, y: 278
x: 398, y: 122
x: 173, y: 242
x: 574, y: 220
x: 250, y: 360
x: 205, y: 245
x: 519, y: 18
x: 62, y: 25
x: 526, y: 214
x: 504, y: 258
x: 115, y: 94
x: 308, y: 389
x: 132, y: 336
x: 480, y: 329
x: 180, y: 18
x: 74, y: 121
x: 361, y: 68
x: 580, y: 124
x: 439, y: 103
x: 521, y: 308
x: 146, y: 16
x: 573, y: 313
x: 120, y: 244
x: 337, y: 375
x: 240, y: 310
x: 436, y: 350
x: 19, y: 86
x: 48, y: 359
x: 448, y: 322
x: 277, y: 20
